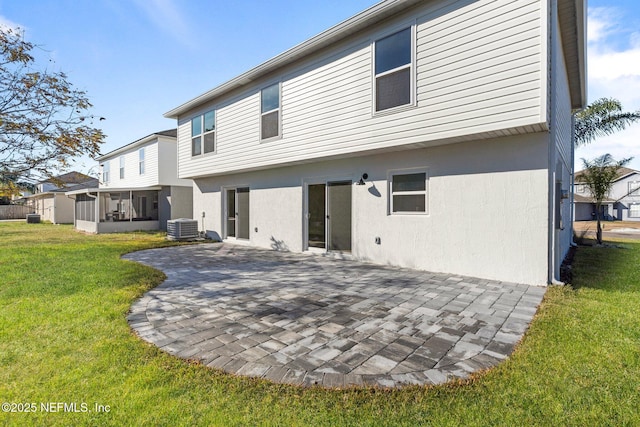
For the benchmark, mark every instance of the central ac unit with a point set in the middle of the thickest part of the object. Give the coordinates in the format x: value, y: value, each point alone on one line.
x: 182, y: 228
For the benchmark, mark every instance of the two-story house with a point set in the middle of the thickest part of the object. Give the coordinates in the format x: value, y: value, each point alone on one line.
x: 622, y: 204
x: 139, y: 189
x: 433, y: 134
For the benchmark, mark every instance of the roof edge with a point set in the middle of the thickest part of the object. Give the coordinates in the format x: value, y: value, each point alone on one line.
x: 170, y: 133
x: 340, y: 31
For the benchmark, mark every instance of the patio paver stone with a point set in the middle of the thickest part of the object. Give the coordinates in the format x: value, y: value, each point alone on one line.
x: 318, y: 320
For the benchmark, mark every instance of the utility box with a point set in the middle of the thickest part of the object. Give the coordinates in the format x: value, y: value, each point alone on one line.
x: 183, y: 228
x: 33, y: 218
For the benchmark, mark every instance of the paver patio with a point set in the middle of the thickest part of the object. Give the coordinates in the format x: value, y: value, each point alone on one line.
x: 312, y: 319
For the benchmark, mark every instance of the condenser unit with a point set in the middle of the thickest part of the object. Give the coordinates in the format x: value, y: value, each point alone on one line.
x: 182, y: 228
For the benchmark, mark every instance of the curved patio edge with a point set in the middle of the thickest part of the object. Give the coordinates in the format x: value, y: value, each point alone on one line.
x: 313, y: 320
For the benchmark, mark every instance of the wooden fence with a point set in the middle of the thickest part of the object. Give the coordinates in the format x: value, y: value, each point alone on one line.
x: 14, y: 211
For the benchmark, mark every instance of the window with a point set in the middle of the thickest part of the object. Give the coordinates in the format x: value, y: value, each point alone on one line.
x: 634, y: 210
x: 580, y: 188
x: 634, y: 186
x: 408, y: 192
x: 393, y: 73
x: 203, y: 133
x: 106, y: 173
x: 141, y: 161
x: 121, y: 167
x: 270, y: 112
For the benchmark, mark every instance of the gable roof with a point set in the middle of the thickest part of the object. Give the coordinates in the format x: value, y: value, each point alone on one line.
x: 171, y: 133
x: 622, y: 173
x: 68, y: 178
x: 571, y: 14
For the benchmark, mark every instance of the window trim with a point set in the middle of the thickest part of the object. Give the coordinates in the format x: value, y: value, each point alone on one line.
x: 122, y: 164
x: 106, y: 172
x: 279, y: 110
x: 633, y: 216
x: 635, y: 192
x: 203, y: 133
x: 141, y: 161
x: 391, y: 193
x: 411, y: 25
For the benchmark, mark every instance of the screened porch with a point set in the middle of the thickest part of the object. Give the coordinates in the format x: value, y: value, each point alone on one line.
x: 116, y: 210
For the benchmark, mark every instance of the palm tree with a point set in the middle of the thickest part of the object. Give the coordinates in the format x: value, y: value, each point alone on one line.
x: 598, y: 176
x: 603, y: 117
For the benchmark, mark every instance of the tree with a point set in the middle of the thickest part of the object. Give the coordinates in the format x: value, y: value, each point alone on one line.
x: 44, y: 120
x: 603, y: 117
x: 598, y: 175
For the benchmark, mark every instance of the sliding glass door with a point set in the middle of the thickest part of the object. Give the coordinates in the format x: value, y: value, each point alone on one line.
x: 329, y: 216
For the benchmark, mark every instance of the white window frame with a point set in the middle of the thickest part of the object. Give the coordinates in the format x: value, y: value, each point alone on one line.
x: 203, y: 133
x: 106, y: 172
x: 391, y: 193
x: 634, y: 216
x: 412, y: 72
x: 634, y: 187
x: 141, y: 156
x: 279, y: 110
x: 122, y: 163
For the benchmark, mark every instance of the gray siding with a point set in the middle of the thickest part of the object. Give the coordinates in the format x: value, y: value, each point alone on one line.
x: 479, y: 73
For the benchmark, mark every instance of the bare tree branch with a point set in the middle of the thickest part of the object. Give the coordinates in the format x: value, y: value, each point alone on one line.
x: 44, y: 120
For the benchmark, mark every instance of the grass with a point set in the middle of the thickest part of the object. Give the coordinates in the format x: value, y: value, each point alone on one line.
x: 64, y: 338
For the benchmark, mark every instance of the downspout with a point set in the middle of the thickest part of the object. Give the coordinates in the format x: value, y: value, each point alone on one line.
x: 551, y: 196
x: 572, y: 181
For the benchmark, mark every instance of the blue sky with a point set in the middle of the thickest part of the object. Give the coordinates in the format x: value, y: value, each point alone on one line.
x: 137, y: 59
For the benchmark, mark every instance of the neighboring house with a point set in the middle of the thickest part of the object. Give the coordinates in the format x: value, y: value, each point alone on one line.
x: 454, y: 116
x: 50, y: 200
x: 139, y: 189
x: 622, y: 204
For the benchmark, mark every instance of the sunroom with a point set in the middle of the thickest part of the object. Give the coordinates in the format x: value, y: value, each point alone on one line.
x: 113, y: 210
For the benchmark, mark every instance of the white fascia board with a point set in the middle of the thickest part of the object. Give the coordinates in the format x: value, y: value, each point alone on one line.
x: 132, y: 145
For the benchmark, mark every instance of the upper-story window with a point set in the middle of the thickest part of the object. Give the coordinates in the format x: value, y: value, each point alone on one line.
x: 203, y: 133
x: 106, y: 172
x: 121, y: 167
x: 393, y: 74
x: 270, y: 112
x: 634, y: 188
x: 141, y: 161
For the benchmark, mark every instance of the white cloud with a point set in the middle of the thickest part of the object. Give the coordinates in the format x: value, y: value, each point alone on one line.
x: 614, y: 72
x: 6, y: 23
x: 167, y: 16
x: 602, y: 21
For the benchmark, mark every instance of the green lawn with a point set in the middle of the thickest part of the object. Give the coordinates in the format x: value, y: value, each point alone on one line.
x: 64, y: 338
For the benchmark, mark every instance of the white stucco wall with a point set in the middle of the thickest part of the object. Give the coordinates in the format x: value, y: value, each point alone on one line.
x: 487, y: 215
